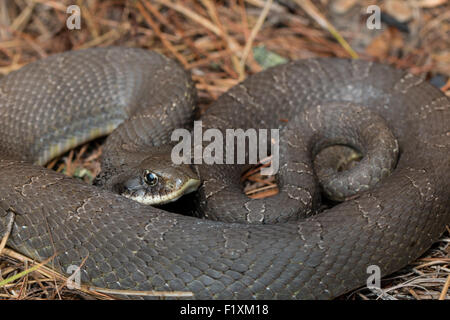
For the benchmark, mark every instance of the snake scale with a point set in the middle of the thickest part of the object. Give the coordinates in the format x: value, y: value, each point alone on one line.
x: 59, y: 102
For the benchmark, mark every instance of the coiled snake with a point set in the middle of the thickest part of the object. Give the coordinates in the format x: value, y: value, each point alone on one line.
x: 57, y: 103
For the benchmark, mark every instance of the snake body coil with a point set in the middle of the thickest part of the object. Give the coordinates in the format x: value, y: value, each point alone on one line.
x: 59, y: 102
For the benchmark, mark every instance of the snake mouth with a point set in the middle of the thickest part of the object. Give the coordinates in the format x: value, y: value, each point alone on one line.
x: 189, y: 186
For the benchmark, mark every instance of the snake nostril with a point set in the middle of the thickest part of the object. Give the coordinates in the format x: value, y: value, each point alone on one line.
x: 119, y: 188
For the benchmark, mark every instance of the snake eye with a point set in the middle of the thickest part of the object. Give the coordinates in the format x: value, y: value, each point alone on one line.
x: 150, y: 178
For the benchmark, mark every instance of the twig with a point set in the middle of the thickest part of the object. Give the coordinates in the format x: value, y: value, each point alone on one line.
x: 149, y: 293
x: 445, y: 289
x: 158, y: 32
x: 10, y: 219
x: 254, y: 32
x: 223, y: 33
x: 232, y: 44
x: 25, y: 272
x: 312, y: 11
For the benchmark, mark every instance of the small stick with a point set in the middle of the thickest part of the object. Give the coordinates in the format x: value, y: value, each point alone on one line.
x: 160, y: 35
x: 10, y: 218
x: 253, y: 33
x: 445, y: 289
x: 312, y: 11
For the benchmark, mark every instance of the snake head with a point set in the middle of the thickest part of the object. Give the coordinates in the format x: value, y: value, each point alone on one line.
x: 155, y: 180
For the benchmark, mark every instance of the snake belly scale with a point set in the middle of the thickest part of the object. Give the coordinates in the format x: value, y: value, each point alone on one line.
x: 52, y: 105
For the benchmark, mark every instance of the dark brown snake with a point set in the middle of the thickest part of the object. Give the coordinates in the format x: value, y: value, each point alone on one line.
x: 54, y: 104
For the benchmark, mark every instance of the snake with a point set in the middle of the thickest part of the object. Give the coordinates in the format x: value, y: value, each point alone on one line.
x: 387, y: 209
